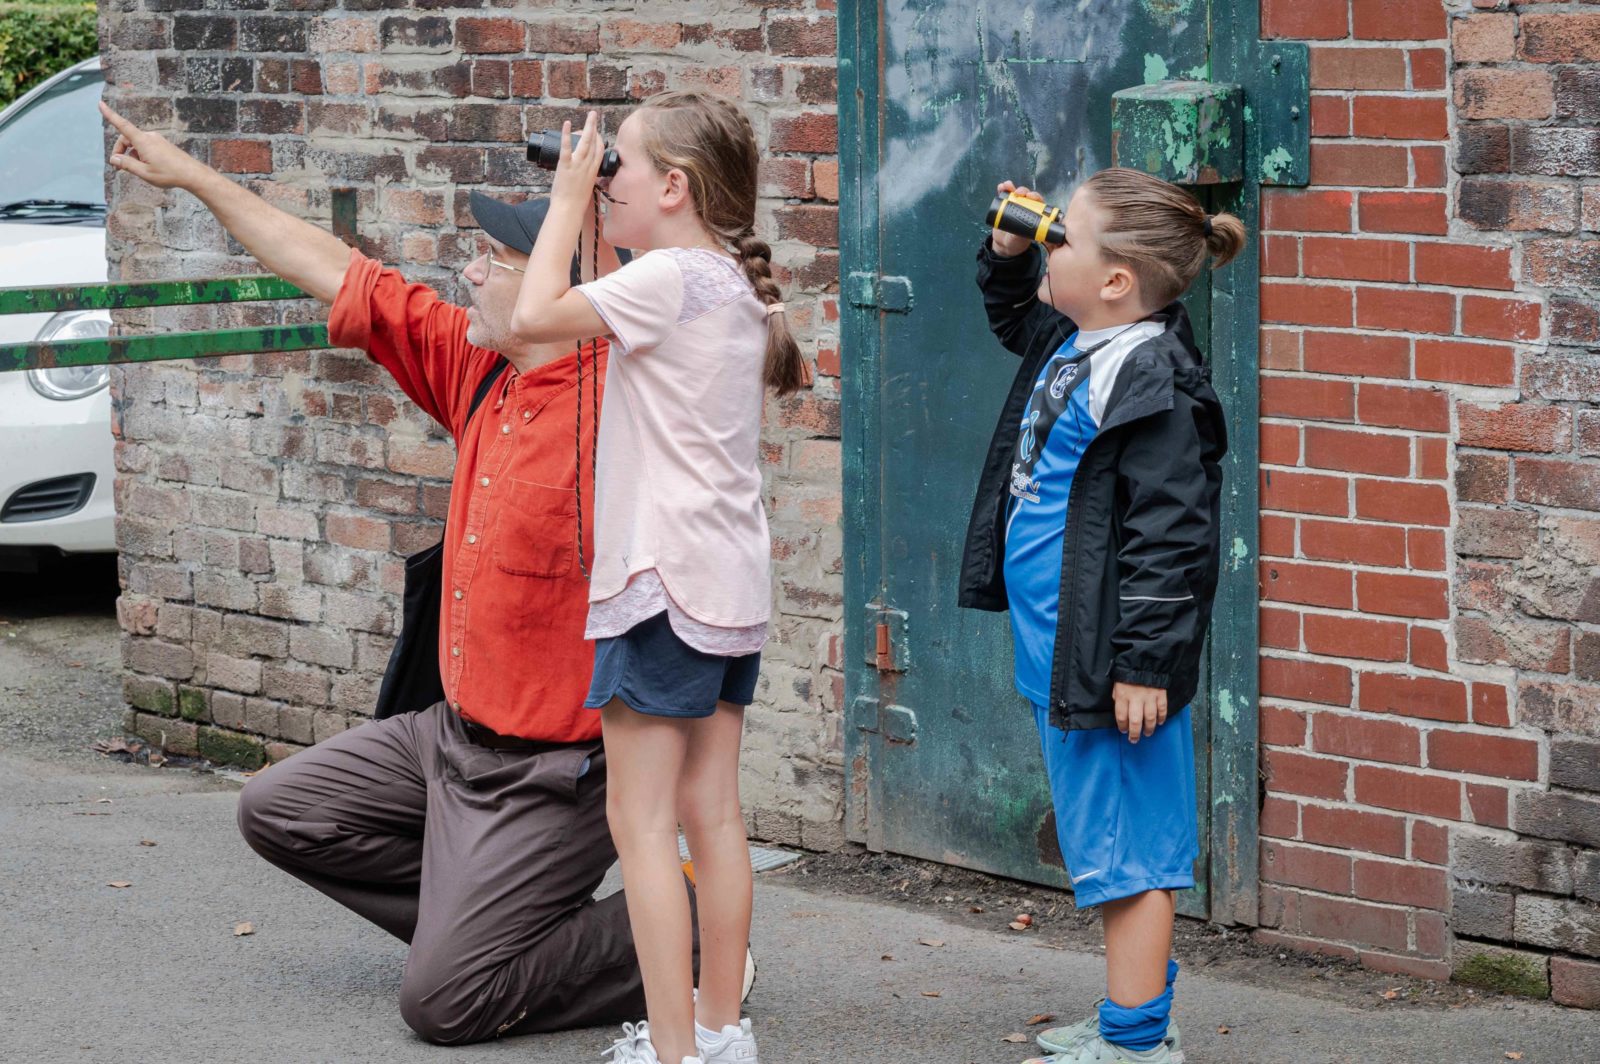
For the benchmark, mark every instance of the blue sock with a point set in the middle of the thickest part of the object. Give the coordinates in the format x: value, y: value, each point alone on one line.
x: 1143, y: 1026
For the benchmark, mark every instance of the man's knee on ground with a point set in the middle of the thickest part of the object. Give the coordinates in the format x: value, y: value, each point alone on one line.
x: 451, y: 1012
x: 256, y: 804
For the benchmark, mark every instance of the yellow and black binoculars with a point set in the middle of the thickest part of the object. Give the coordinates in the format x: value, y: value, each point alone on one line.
x: 1031, y: 218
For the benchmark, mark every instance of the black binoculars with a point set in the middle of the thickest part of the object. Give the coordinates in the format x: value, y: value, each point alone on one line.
x: 544, y: 151
x: 1022, y: 216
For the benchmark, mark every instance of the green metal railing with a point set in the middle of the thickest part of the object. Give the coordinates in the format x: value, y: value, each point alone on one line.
x: 153, y: 347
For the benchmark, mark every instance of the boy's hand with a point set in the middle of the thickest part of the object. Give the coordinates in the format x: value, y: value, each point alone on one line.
x: 1008, y: 245
x: 579, y: 166
x: 1139, y: 709
x: 152, y: 157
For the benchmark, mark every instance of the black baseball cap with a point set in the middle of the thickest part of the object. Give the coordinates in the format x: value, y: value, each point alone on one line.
x: 516, y: 225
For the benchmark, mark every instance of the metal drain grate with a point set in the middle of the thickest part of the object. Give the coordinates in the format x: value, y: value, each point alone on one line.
x: 762, y: 858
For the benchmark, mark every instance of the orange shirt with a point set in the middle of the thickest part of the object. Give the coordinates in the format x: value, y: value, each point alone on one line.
x: 511, y: 646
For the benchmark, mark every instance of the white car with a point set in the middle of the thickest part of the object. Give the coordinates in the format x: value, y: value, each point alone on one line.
x: 56, y: 467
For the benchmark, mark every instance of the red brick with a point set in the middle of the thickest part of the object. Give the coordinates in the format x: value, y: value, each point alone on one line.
x: 1355, y: 259
x: 1366, y: 738
x: 1402, y: 884
x: 1280, y: 349
x: 567, y: 79
x: 1280, y: 256
x: 1464, y: 266
x: 1358, y: 452
x: 1280, y: 726
x: 1397, y: 20
x: 1402, y: 503
x: 1424, y: 409
x: 1280, y: 818
x: 1429, y: 648
x: 825, y: 175
x: 1428, y: 164
x: 1405, y: 212
x: 1500, y: 319
x: 570, y: 37
x: 1425, y: 549
x: 1489, y: 805
x: 1305, y: 493
x: 1330, y: 115
x: 1405, y: 310
x: 814, y: 225
x: 1414, y: 696
x: 815, y: 132
x: 1303, y: 866
x: 1551, y: 482
x: 1315, y: 777
x: 800, y: 36
x: 1300, y: 397
x: 1484, y: 755
x: 1433, y: 458
x: 1401, y: 117
x: 1427, y: 68
x: 1357, y: 68
x: 242, y: 156
x: 828, y: 361
x: 1514, y: 427
x: 1484, y: 38
x: 1351, y: 921
x: 631, y: 35
x: 1409, y: 792
x: 1429, y: 842
x: 1563, y: 38
x: 1325, y: 211
x: 484, y: 36
x: 1309, y: 585
x: 1357, y: 354
x: 1305, y: 19
x: 1337, y: 541
x: 1277, y: 536
x: 1487, y: 93
x: 1355, y: 637
x: 1305, y: 681
x: 1359, y: 164
x: 1280, y: 444
x: 1400, y: 595
x: 1354, y: 829
x: 527, y: 77
x: 1490, y: 706
x: 1574, y: 982
x: 1302, y: 304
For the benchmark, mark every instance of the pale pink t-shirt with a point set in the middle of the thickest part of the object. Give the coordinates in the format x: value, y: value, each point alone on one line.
x: 679, y: 488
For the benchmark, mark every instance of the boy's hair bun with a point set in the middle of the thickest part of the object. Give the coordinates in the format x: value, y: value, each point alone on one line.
x: 1225, y: 237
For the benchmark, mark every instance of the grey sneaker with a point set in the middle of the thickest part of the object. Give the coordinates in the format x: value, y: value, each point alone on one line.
x: 1097, y: 1050
x: 1065, y: 1039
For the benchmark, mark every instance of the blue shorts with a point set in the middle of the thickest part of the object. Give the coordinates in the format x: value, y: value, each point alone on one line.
x: 1125, y: 812
x: 654, y: 671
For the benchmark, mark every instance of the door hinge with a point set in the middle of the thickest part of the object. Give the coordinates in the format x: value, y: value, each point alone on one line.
x: 892, y: 294
x: 886, y: 648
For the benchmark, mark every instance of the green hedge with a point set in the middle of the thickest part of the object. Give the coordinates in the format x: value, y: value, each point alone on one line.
x: 40, y: 38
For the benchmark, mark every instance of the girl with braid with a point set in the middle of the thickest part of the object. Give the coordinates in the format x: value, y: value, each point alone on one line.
x: 680, y: 593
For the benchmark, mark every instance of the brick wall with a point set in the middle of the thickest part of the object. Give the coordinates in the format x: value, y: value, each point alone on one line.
x: 266, y: 502
x: 1430, y: 444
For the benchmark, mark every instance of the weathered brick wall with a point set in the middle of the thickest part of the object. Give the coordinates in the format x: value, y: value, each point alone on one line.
x: 266, y: 502
x: 1431, y: 480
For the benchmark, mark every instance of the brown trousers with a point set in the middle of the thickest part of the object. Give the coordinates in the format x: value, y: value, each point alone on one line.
x: 484, y: 860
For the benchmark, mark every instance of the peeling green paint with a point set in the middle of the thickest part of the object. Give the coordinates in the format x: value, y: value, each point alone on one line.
x: 1241, y: 552
x: 1155, y: 68
x: 1275, y: 163
x: 1188, y: 132
x: 1225, y: 707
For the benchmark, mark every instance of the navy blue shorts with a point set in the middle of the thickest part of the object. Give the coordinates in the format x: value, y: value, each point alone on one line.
x: 653, y: 671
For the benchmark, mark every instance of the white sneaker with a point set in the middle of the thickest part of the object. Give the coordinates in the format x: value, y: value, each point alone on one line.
x: 749, y: 976
x: 733, y: 1045
x: 635, y: 1047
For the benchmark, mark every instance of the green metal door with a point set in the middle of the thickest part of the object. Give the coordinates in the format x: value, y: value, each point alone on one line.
x: 939, y: 100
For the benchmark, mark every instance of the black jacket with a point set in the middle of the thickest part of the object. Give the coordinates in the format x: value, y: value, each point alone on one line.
x: 1141, y: 553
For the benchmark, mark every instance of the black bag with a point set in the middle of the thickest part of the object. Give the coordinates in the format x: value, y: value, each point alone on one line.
x: 411, y: 682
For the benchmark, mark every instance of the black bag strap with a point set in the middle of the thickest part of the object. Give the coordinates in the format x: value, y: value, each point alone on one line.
x: 483, y: 389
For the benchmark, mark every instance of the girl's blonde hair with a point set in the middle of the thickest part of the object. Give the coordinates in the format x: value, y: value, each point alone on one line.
x: 1160, y: 231
x: 711, y: 140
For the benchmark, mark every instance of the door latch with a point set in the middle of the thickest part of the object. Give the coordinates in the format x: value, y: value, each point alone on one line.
x: 892, y: 294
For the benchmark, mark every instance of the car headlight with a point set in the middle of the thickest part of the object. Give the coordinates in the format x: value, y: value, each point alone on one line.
x: 72, y: 382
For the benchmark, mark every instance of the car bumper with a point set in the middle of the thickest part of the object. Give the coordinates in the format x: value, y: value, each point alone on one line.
x: 41, y: 439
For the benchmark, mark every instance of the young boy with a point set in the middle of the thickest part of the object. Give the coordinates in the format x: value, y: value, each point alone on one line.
x: 1096, y: 524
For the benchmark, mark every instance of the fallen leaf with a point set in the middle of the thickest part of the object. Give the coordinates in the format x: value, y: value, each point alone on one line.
x: 119, y: 883
x: 147, y: 842
x: 1043, y: 1017
x: 934, y: 942
x: 1019, y: 1037
x: 102, y: 801
x: 930, y: 993
x: 157, y: 760
x: 1017, y: 925
x: 1513, y: 1056
x: 1025, y: 919
x: 246, y: 928
x: 887, y: 957
x: 74, y: 664
x: 974, y: 908
x: 1391, y: 993
x: 1222, y: 1029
